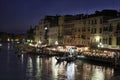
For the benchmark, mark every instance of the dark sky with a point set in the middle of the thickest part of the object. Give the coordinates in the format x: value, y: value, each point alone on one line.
x: 16, y: 16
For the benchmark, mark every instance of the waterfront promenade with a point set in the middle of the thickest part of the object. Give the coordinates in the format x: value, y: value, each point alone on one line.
x: 105, y: 57
x: 34, y: 67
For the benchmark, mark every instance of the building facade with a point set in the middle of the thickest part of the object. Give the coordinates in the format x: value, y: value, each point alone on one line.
x: 113, y: 29
x: 100, y: 30
x: 46, y: 32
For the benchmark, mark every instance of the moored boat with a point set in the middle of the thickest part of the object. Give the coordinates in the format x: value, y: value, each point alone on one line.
x: 68, y: 58
x: 60, y: 59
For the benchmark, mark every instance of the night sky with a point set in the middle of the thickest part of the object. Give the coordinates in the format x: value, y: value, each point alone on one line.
x: 16, y: 16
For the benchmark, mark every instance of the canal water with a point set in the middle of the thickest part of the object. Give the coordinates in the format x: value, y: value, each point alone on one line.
x: 33, y: 67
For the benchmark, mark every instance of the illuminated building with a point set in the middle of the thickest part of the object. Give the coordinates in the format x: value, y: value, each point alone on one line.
x: 111, y: 35
x: 47, y: 30
x: 81, y: 30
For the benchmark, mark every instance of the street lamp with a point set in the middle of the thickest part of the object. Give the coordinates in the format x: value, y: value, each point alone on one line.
x: 56, y: 43
x: 100, y: 45
x: 46, y: 35
x: 46, y: 28
x: 39, y: 42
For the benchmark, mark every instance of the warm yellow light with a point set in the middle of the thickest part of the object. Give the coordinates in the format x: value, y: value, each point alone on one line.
x: 30, y: 44
x: 97, y: 38
x: 100, y: 45
x: 86, y: 48
x: 39, y: 42
x: 16, y: 39
x: 56, y: 42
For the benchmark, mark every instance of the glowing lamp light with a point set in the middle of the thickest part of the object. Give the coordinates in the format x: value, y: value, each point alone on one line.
x: 46, y: 28
x: 56, y: 42
x: 28, y: 40
x: 100, y: 45
x: 8, y: 39
x: 72, y: 50
x: 86, y: 48
x: 39, y: 42
x: 17, y: 40
x: 30, y: 44
x: 97, y: 38
x: 0, y: 44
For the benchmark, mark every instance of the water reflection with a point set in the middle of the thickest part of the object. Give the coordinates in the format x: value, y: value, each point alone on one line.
x: 29, y: 68
x: 37, y: 67
x: 33, y: 67
x: 70, y: 72
x: 47, y: 69
x: 94, y: 72
x: 8, y: 46
x: 54, y: 69
x: 22, y: 58
x: 97, y: 74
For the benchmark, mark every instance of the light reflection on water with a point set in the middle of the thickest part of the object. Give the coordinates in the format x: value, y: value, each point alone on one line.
x: 37, y: 67
x: 29, y: 68
x: 70, y: 72
x: 47, y: 69
x: 97, y: 74
x: 33, y: 67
